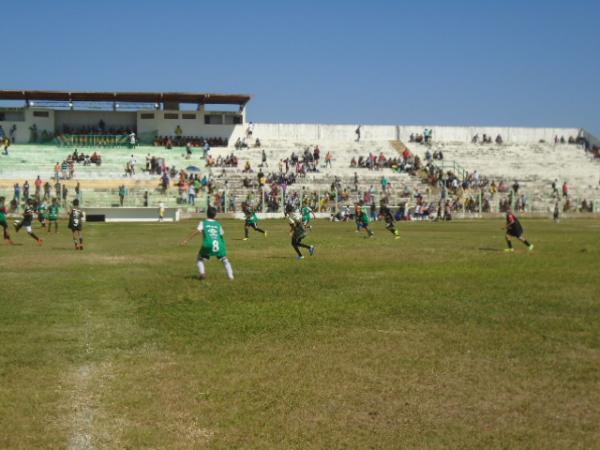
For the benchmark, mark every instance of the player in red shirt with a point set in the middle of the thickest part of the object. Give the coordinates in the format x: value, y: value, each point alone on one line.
x: 514, y: 229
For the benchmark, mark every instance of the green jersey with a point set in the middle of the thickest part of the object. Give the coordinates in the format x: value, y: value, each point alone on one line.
x: 41, y: 211
x: 53, y: 212
x: 307, y: 213
x: 364, y: 218
x: 2, y: 213
x: 213, y: 243
x: 251, y: 218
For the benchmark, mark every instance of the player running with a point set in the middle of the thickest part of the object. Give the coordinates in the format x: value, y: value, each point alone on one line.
x: 388, y: 217
x: 362, y: 220
x: 76, y: 217
x: 3, y: 221
x: 298, y: 232
x: 213, y: 243
x: 251, y: 221
x: 307, y: 215
x: 53, y: 210
x: 27, y: 221
x: 514, y: 229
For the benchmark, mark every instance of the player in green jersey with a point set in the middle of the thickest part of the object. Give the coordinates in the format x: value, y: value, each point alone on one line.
x: 4, y: 222
x: 307, y: 215
x: 42, y: 213
x: 53, y: 215
x: 298, y: 232
x: 213, y: 243
x: 362, y: 220
x: 251, y: 221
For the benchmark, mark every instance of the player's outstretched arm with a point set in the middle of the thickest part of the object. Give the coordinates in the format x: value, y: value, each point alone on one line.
x: 185, y: 241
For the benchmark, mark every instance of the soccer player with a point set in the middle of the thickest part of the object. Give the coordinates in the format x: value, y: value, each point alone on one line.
x: 251, y: 221
x: 3, y: 222
x: 42, y: 213
x: 213, y: 243
x: 53, y: 215
x: 27, y: 221
x: 307, y: 215
x: 76, y: 224
x: 514, y: 229
x: 298, y: 232
x: 362, y: 220
x: 556, y: 215
x: 388, y: 217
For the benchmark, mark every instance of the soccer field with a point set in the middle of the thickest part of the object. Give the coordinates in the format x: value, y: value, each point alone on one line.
x: 437, y: 339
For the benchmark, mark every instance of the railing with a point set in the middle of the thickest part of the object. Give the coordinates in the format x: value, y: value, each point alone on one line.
x: 92, y: 140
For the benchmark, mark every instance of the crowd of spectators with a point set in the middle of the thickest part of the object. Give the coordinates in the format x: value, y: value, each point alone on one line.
x: 422, y: 138
x: 485, y: 139
x: 193, y: 141
x: 407, y: 163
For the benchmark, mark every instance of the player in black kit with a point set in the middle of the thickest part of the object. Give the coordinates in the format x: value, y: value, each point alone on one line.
x: 76, y: 224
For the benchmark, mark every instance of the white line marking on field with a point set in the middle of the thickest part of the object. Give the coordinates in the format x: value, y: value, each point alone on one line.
x: 82, y: 413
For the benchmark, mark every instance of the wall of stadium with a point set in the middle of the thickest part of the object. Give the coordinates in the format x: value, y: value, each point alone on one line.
x: 317, y: 133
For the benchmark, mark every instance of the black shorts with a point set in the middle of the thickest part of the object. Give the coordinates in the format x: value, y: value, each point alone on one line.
x: 75, y: 228
x: 515, y: 231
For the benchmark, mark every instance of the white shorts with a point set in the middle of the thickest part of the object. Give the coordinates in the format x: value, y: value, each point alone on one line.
x: 28, y: 229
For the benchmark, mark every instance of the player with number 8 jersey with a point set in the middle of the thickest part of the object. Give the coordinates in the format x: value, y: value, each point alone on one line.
x: 213, y: 243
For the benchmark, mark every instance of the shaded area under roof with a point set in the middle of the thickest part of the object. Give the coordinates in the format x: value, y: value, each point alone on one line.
x: 142, y: 97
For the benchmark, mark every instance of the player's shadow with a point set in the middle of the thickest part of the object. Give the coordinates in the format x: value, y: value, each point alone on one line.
x: 16, y: 244
x: 489, y: 249
x: 277, y: 257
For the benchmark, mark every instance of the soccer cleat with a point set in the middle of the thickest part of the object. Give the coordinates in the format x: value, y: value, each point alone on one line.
x: 530, y: 247
x: 299, y: 258
x: 311, y: 250
x: 40, y: 241
x: 265, y: 234
x: 397, y: 236
x: 81, y: 247
x: 509, y: 250
x: 245, y: 239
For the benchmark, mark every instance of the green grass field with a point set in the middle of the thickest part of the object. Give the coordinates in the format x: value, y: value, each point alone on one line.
x: 438, y: 339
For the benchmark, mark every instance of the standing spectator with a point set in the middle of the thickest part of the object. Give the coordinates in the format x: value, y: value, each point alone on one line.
x: 205, y: 149
x: 328, y: 159
x: 46, y: 190
x: 26, y: 190
x: 264, y: 159
x: 65, y: 191
x: 57, y: 189
x: 57, y: 171
x: 38, y: 188
x: 146, y: 198
x: 132, y: 163
x: 191, y: 194
x: 17, y: 193
x: 63, y: 169
x: 132, y: 140
x: 71, y: 169
x: 357, y: 132
x: 317, y: 156
x: 178, y: 131
x: 565, y: 189
x: 78, y: 192
x: 121, y: 194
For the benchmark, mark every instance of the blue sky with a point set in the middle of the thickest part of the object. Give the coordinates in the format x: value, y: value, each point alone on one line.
x: 513, y: 63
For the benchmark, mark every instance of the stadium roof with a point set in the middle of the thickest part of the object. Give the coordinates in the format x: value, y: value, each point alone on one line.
x: 139, y: 97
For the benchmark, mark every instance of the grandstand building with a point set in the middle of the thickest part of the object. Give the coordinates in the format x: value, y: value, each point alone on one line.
x: 246, y: 160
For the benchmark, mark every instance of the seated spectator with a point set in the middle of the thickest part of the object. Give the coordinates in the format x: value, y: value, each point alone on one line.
x: 499, y: 140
